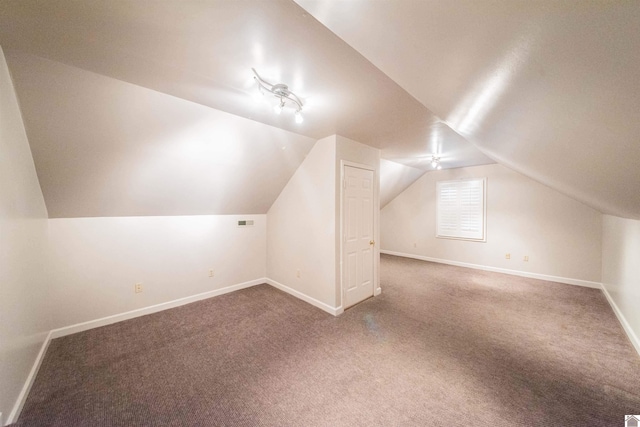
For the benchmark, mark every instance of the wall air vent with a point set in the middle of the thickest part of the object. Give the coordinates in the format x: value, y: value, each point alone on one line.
x: 245, y: 223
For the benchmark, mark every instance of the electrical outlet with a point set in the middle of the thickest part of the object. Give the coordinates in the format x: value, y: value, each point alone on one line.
x: 507, y: 256
x: 526, y: 258
x: 297, y: 273
x: 211, y: 273
x: 138, y: 288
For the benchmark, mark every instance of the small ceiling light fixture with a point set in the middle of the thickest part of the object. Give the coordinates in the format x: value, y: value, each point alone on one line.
x: 282, y: 92
x: 435, y: 162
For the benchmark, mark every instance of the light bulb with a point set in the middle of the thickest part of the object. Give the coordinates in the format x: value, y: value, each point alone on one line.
x: 278, y: 108
x: 299, y: 117
x: 434, y: 163
x: 439, y: 167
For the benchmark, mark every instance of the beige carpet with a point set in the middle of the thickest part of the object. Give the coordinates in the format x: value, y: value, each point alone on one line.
x: 442, y: 346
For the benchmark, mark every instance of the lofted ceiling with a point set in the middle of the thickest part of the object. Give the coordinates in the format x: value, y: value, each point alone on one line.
x: 395, y: 178
x: 203, y: 51
x: 547, y: 88
x: 140, y: 107
x: 104, y: 147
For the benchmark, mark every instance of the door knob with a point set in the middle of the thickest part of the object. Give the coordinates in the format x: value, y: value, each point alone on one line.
x: 371, y: 242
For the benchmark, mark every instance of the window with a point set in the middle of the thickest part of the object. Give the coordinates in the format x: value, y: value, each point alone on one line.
x: 461, y: 209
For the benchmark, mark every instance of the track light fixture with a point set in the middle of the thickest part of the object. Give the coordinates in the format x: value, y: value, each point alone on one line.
x: 282, y: 92
x: 435, y: 162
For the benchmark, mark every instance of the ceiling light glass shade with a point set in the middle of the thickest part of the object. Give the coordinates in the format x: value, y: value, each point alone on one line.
x: 435, y: 162
x: 282, y: 93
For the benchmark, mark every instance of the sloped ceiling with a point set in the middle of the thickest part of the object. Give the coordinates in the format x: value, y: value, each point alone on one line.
x: 120, y: 97
x: 103, y: 147
x: 394, y: 179
x: 548, y: 88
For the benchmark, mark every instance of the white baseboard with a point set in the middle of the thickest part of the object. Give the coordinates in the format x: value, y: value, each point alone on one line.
x: 568, y: 281
x: 623, y: 321
x: 80, y: 327
x: 84, y: 326
x: 104, y: 321
x: 22, y: 397
x: 306, y: 298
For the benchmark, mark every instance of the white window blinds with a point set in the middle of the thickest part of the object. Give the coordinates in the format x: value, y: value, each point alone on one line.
x: 461, y: 209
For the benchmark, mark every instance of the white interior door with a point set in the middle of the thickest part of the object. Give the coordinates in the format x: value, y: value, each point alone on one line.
x: 358, y: 244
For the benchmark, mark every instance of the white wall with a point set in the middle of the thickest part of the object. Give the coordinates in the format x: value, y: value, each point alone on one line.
x: 24, y: 310
x: 561, y: 236
x: 97, y: 261
x: 301, y: 227
x: 621, y: 270
x: 353, y: 151
x: 304, y: 222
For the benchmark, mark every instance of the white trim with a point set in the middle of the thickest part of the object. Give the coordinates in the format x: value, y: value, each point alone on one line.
x: 483, y: 239
x: 566, y: 280
x: 22, y: 397
x: 91, y: 324
x: 306, y: 298
x: 623, y: 321
x: 68, y: 330
x: 84, y: 326
x: 376, y: 228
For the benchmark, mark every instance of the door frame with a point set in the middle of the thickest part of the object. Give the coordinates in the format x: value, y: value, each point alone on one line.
x: 376, y: 230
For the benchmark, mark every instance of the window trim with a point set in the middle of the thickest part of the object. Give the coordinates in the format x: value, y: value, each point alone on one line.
x: 484, y: 210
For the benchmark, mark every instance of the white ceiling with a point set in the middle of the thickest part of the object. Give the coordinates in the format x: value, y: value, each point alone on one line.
x: 141, y: 107
x: 103, y: 147
x: 394, y: 179
x: 548, y: 88
x: 203, y: 51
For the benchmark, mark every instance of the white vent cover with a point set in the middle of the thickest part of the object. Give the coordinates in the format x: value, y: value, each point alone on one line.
x: 245, y: 223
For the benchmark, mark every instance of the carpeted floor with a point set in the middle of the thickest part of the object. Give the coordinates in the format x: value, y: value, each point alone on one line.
x: 441, y: 346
